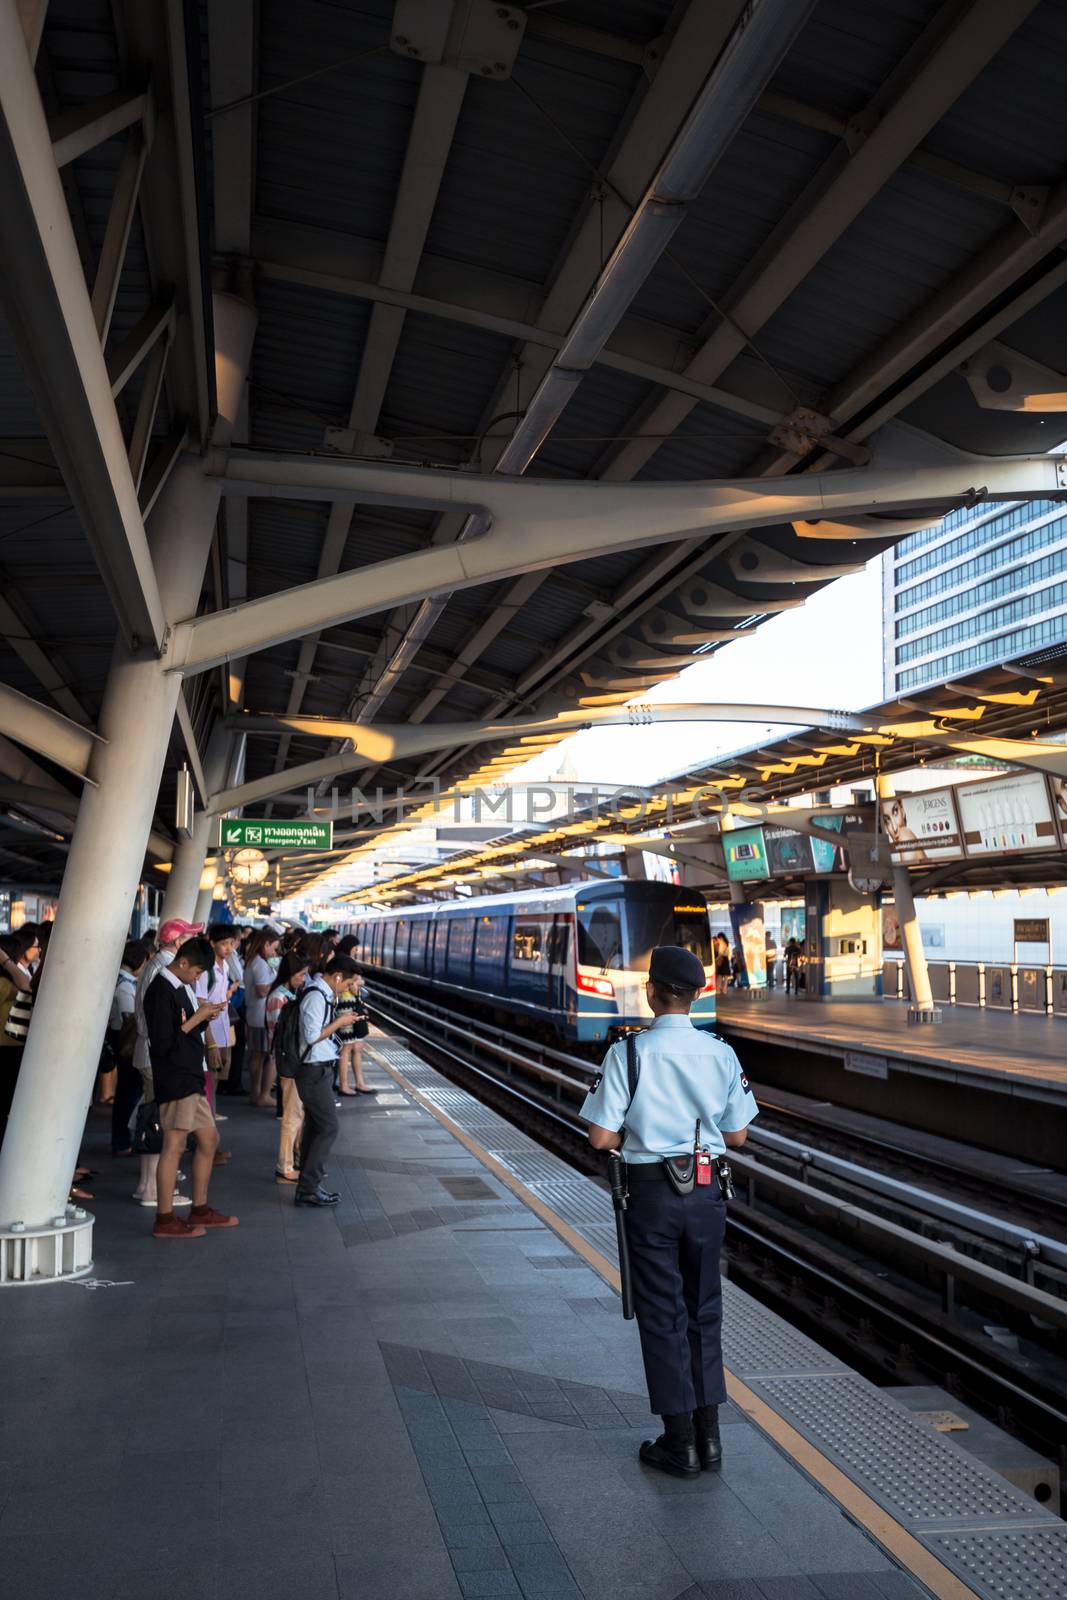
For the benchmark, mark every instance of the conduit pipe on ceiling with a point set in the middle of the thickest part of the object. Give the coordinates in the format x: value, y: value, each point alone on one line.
x: 756, y: 48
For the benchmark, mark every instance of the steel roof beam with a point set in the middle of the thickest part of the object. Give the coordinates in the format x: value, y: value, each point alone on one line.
x: 52, y: 322
x: 704, y: 89
x: 373, y: 744
x: 440, y: 99
x: 841, y: 193
x: 544, y: 524
x: 46, y: 732
x: 647, y: 348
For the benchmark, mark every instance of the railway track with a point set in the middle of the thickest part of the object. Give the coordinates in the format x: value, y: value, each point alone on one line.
x: 911, y: 1285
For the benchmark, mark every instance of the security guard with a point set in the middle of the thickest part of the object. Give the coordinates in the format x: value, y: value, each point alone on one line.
x: 675, y: 1239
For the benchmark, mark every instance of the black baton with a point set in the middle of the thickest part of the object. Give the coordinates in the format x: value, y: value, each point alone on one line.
x: 619, y: 1199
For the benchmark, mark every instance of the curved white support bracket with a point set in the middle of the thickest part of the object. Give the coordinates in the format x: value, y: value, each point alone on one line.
x: 537, y: 524
x: 750, y: 561
x: 373, y: 745
x: 866, y: 527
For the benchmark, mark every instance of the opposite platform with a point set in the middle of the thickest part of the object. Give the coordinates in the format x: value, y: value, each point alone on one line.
x: 428, y: 1394
x: 1021, y: 1053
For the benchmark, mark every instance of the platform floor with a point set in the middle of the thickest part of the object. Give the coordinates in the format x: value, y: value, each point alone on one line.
x: 426, y: 1394
x: 1023, y: 1050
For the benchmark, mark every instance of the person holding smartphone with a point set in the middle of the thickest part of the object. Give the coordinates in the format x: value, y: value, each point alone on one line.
x: 176, y: 1022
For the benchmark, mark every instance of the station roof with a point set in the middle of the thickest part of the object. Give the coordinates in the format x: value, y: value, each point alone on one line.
x: 421, y: 209
x: 1017, y: 704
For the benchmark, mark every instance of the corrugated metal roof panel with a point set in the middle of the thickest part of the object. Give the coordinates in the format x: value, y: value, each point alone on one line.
x: 330, y: 150
x: 444, y: 378
x: 513, y: 186
x: 310, y: 373
x: 766, y: 168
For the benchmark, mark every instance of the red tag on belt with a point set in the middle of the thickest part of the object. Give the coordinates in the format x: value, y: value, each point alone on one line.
x: 703, y: 1167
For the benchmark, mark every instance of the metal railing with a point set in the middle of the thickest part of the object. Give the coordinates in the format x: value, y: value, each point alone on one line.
x: 991, y: 985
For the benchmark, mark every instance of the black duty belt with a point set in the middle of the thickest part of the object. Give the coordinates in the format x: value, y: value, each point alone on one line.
x: 645, y: 1172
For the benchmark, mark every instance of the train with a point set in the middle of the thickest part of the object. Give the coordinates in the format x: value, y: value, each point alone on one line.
x: 573, y: 959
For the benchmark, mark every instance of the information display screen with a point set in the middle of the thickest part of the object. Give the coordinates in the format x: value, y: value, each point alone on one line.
x: 1000, y: 815
x: 789, y: 852
x: 745, y: 853
x: 922, y: 827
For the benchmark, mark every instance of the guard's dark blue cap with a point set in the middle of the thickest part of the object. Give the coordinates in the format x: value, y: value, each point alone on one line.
x: 672, y: 963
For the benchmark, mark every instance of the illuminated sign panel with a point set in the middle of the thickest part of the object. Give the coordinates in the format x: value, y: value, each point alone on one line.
x: 922, y: 827
x: 746, y: 855
x: 1001, y: 815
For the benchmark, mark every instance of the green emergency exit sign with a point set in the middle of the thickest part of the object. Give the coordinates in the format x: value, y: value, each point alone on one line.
x: 269, y: 833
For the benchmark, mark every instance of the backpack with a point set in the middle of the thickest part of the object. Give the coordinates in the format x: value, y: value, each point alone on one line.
x: 288, y: 1049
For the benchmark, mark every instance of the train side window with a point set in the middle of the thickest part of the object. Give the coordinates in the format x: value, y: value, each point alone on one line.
x: 388, y: 944
x: 376, y: 942
x: 558, y: 943
x: 526, y: 941
x: 417, y: 953
x: 600, y: 934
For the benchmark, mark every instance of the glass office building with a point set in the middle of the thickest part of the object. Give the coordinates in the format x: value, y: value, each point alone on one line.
x: 986, y: 585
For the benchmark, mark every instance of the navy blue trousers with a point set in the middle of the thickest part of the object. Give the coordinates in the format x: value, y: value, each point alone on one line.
x: 675, y: 1241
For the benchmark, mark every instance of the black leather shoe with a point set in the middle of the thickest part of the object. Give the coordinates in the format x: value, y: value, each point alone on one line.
x: 315, y: 1197
x: 709, y: 1445
x: 671, y: 1455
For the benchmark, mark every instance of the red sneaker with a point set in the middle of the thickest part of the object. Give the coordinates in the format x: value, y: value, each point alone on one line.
x: 173, y: 1227
x: 210, y: 1218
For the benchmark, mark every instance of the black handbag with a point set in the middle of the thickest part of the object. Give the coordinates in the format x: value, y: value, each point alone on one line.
x: 147, y: 1130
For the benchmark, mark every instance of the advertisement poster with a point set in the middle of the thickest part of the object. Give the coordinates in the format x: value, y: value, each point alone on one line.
x: 1059, y: 805
x: 751, y: 939
x: 922, y: 827
x: 1011, y: 813
x: 892, y: 939
x: 793, y: 922
x: 788, y: 852
x: 746, y: 856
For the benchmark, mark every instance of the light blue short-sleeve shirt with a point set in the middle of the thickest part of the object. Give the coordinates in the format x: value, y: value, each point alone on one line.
x: 685, y: 1073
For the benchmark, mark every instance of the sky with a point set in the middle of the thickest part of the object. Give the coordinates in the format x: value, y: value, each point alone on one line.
x: 826, y: 653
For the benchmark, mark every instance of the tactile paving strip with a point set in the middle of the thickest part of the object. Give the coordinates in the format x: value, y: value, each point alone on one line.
x: 754, y: 1343
x: 991, y: 1535
x: 1011, y: 1563
x: 912, y: 1471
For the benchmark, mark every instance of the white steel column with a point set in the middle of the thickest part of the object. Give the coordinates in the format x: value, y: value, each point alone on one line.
x: 922, y: 1008
x: 107, y: 852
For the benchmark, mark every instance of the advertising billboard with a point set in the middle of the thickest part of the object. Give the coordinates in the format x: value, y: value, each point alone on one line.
x: 922, y: 827
x: 1009, y: 813
x: 789, y: 852
x: 750, y: 937
x: 745, y: 853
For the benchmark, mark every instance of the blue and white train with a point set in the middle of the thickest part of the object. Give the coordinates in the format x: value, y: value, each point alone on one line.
x: 573, y: 959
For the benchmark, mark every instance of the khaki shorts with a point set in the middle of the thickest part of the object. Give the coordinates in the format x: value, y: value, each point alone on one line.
x: 188, y: 1115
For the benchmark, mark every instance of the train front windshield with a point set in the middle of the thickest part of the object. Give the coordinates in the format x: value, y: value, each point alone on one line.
x: 648, y: 923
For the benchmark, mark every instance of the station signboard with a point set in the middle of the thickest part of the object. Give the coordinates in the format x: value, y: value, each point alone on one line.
x: 274, y: 833
x: 1001, y: 815
x: 745, y: 854
x: 922, y: 827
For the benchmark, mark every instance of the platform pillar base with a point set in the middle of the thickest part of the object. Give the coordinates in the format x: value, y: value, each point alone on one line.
x: 924, y: 1015
x: 62, y: 1250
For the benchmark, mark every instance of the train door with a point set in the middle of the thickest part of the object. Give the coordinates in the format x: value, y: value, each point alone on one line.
x: 559, y: 947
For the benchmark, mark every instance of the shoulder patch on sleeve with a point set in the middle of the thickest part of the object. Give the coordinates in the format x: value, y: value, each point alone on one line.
x: 598, y: 1079
x: 745, y: 1084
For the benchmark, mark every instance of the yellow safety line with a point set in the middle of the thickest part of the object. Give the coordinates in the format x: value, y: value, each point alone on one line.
x: 889, y: 1533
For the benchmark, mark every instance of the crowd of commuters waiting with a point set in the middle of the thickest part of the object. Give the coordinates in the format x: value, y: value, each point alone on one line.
x: 191, y: 1010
